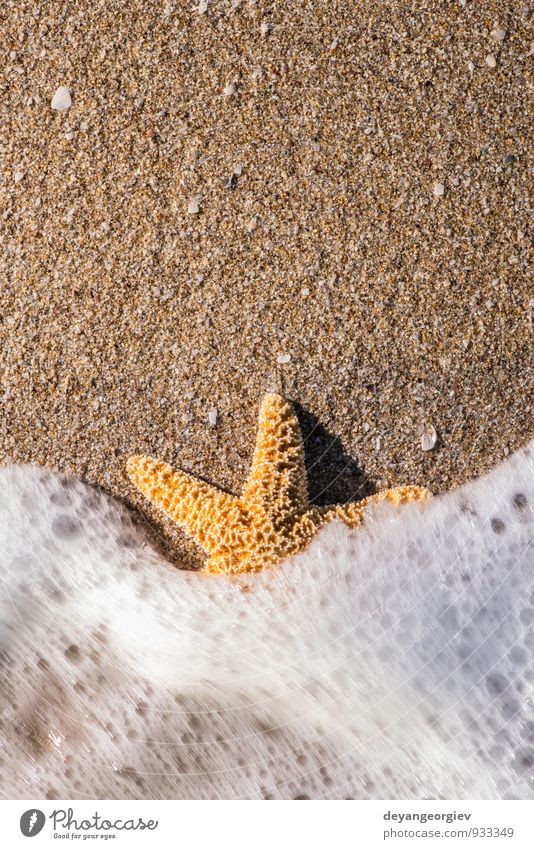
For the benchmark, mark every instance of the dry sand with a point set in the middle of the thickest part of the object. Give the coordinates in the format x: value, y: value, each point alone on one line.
x: 360, y: 171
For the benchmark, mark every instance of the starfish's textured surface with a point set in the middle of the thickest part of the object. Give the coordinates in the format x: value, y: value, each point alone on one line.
x: 273, y: 518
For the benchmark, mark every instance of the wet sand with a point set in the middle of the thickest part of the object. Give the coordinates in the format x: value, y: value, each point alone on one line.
x: 343, y: 187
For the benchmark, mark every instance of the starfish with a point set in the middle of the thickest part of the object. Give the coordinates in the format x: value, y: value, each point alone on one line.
x: 273, y: 518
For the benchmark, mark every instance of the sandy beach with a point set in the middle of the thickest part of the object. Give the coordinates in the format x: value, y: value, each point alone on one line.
x: 331, y: 197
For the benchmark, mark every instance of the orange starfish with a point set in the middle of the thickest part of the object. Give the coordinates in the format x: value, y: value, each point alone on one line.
x: 273, y: 518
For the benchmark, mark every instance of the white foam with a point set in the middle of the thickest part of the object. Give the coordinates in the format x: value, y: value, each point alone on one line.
x: 391, y: 662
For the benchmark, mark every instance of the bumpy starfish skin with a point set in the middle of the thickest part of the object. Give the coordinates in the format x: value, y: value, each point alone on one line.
x: 273, y: 518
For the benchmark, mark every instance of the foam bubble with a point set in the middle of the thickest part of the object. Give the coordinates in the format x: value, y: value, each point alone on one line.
x: 394, y: 661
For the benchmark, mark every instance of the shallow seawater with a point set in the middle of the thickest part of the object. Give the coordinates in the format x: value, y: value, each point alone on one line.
x: 396, y: 661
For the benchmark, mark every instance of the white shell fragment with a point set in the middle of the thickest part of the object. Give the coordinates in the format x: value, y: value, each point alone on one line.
x: 193, y: 206
x: 282, y: 359
x: 62, y: 99
x: 429, y: 438
x: 499, y: 34
x: 229, y: 90
x: 491, y: 61
x: 438, y: 189
x: 212, y: 417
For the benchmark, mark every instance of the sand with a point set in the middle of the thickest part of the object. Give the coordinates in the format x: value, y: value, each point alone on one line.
x: 340, y: 186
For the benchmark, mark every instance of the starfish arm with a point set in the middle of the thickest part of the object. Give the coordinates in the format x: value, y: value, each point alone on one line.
x: 353, y: 514
x: 277, y: 483
x: 201, y: 510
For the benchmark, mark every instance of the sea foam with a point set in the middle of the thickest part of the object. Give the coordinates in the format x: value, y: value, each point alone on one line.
x: 395, y: 661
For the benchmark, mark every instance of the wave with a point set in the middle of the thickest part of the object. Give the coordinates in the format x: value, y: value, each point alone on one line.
x: 395, y: 661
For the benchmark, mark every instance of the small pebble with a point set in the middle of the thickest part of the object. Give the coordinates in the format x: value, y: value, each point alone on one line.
x: 439, y: 190
x: 305, y: 292
x: 18, y: 176
x: 212, y: 417
x: 203, y: 7
x: 69, y: 136
x: 62, y: 99
x: 229, y: 90
x: 265, y: 28
x: 491, y: 61
x: 252, y: 224
x: 13, y: 54
x: 499, y: 34
x: 193, y: 206
x: 282, y: 359
x: 471, y: 66
x: 509, y: 159
x: 429, y: 438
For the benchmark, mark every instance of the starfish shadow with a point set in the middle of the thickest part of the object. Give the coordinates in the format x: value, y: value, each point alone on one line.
x: 334, y: 477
